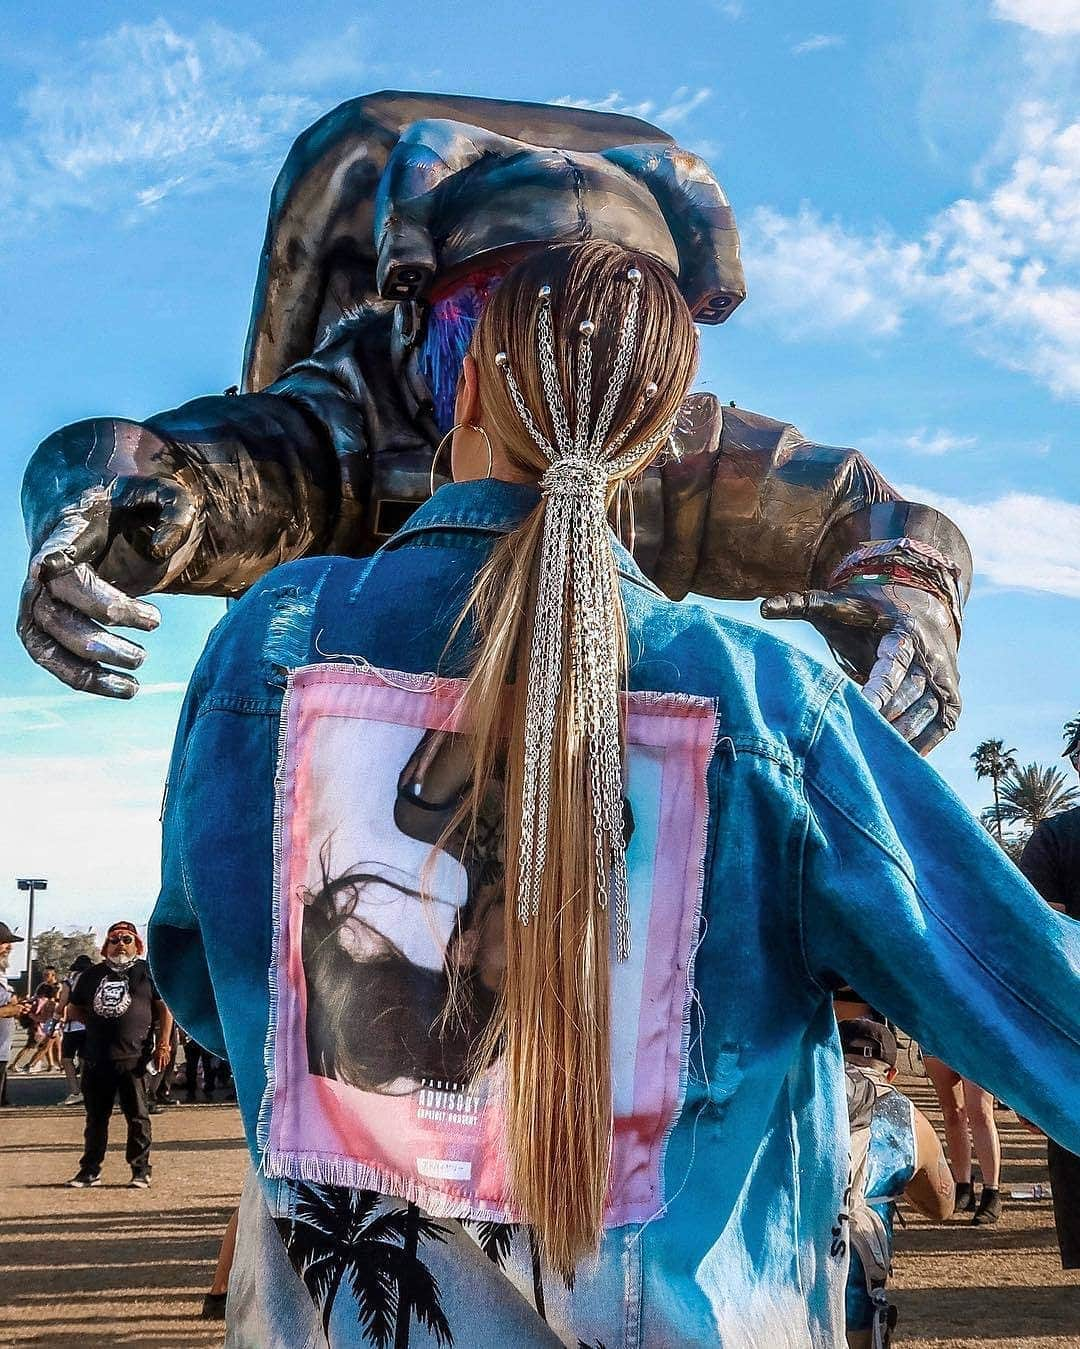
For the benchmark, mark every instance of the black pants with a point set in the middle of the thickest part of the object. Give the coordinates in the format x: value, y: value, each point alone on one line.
x: 192, y: 1054
x: 3, y: 1081
x: 102, y: 1083
x: 162, y: 1091
x: 1065, y: 1183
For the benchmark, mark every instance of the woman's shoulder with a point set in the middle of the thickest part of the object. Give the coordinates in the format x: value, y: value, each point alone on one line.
x: 771, y: 695
x: 272, y: 626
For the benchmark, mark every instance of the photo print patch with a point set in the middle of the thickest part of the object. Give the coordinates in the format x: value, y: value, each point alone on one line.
x: 367, y: 1074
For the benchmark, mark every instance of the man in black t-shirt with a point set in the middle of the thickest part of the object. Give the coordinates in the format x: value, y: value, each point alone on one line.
x: 1051, y: 862
x: 119, y: 1005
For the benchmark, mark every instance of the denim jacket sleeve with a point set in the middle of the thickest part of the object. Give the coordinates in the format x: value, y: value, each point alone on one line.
x: 177, y: 955
x: 910, y: 900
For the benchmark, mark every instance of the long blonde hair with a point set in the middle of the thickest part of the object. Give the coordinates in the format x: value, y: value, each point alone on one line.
x: 552, y: 1023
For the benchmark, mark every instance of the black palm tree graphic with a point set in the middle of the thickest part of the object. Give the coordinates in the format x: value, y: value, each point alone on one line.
x: 537, y: 1275
x: 418, y: 1292
x: 494, y: 1239
x: 337, y: 1232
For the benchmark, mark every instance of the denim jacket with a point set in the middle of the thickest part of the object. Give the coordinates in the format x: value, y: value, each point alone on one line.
x: 785, y: 841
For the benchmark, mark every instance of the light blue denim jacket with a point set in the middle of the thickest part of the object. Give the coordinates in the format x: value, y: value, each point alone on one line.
x: 833, y: 854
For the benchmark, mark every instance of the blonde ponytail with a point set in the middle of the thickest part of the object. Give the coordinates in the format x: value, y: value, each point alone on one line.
x: 564, y: 857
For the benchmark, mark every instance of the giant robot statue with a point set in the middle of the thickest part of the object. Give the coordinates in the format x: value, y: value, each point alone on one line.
x: 391, y: 222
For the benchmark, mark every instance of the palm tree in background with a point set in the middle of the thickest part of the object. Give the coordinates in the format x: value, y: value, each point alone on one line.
x: 1032, y: 794
x: 992, y: 760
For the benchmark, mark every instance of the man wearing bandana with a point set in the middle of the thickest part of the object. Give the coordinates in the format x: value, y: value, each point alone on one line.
x: 120, y: 1007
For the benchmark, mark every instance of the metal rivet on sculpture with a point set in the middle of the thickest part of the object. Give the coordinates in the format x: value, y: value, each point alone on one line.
x: 390, y: 225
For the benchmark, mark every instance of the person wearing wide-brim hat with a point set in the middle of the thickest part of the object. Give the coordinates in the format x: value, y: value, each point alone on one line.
x: 11, y: 1006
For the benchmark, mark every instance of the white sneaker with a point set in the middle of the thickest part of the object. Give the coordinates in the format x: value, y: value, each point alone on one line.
x: 74, y: 1099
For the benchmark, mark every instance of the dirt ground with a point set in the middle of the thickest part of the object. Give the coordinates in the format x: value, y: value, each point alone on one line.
x: 964, y: 1287
x: 85, y: 1268
x: 111, y: 1266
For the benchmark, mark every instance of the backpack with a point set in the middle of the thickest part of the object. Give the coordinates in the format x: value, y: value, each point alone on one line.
x: 867, y: 1233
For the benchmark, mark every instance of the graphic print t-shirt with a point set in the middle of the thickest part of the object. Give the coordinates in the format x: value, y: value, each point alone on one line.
x: 119, y: 1012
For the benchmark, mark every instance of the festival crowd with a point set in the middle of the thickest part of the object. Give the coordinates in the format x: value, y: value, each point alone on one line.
x: 103, y: 1026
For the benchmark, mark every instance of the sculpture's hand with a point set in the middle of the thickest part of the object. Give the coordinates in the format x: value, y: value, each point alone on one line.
x: 898, y: 641
x: 114, y: 541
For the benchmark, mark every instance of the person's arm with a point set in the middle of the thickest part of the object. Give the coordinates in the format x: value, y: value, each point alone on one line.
x: 82, y: 995
x: 754, y: 510
x: 176, y: 953
x: 163, y: 1048
x: 203, y: 499
x: 931, y: 1189
x: 1041, y: 864
x: 906, y: 893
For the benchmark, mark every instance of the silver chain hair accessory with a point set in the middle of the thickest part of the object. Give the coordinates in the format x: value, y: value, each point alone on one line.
x: 577, y: 567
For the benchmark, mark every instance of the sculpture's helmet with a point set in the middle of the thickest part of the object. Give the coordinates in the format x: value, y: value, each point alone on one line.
x: 391, y: 197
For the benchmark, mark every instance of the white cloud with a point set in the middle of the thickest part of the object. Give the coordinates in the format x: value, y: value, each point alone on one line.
x: 816, y: 276
x: 90, y: 826
x: 328, y: 60
x: 730, y: 9
x: 45, y: 711
x: 818, y: 43
x: 1003, y: 265
x: 1055, y: 18
x: 1019, y: 540
x: 666, y: 113
x: 935, y: 443
x: 147, y: 110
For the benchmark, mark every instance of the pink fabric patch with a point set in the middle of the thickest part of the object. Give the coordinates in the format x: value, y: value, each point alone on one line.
x: 354, y: 1104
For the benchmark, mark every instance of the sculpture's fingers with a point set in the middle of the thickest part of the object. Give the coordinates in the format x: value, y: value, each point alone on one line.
x: 83, y: 589
x: 170, y: 507
x: 821, y: 604
x: 934, y: 734
x: 895, y: 652
x: 918, y: 717
x: 80, y: 536
x: 76, y: 673
x: 911, y: 689
x: 83, y: 637
x: 943, y: 680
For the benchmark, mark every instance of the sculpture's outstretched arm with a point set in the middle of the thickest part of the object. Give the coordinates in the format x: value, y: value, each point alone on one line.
x: 203, y: 500
x: 757, y: 511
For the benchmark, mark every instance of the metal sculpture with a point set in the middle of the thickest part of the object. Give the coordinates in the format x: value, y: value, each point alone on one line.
x: 393, y: 217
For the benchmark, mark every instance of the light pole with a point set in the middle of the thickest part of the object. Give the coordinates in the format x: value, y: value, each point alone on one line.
x: 33, y: 885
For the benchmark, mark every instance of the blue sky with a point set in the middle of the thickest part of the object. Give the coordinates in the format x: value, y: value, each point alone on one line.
x: 907, y: 181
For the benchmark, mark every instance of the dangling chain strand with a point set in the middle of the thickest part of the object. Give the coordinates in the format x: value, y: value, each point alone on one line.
x: 577, y: 590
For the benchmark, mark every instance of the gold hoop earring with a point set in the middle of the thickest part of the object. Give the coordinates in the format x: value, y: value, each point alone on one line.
x: 459, y: 426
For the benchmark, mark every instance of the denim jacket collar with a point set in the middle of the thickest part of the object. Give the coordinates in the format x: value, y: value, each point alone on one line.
x: 490, y: 505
